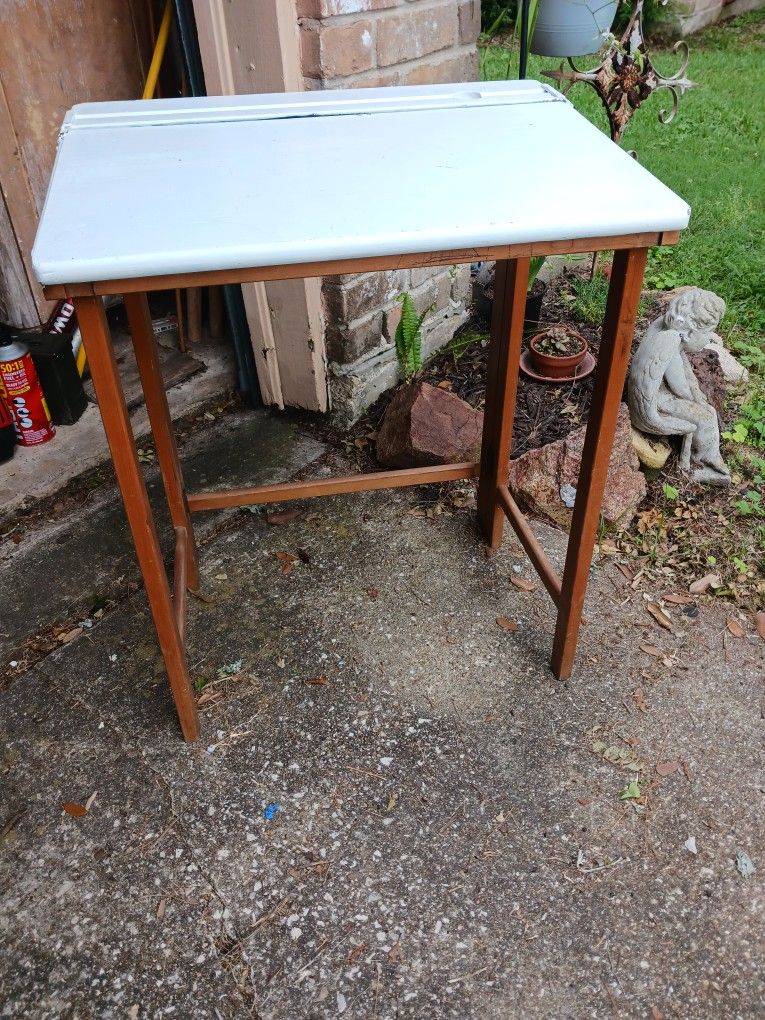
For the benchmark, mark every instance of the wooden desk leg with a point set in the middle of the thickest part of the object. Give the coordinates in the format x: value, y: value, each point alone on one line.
x: 511, y: 282
x: 111, y: 401
x: 613, y: 359
x: 149, y: 369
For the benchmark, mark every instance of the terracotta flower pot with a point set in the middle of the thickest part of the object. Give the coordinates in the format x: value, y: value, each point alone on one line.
x: 557, y: 366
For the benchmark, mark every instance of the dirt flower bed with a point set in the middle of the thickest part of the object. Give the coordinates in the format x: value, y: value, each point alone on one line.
x: 684, y: 532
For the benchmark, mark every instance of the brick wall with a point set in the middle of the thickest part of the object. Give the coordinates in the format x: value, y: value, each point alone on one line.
x: 367, y: 43
x: 693, y: 15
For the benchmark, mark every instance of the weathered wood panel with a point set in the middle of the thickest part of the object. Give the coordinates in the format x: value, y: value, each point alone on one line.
x: 54, y: 53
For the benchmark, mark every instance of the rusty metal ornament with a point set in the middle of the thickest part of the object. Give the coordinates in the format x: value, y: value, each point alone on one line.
x: 626, y: 77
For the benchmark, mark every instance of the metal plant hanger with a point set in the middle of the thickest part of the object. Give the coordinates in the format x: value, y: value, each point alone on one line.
x: 626, y: 77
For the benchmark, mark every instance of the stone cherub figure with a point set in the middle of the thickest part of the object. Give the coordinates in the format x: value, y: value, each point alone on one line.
x: 664, y: 395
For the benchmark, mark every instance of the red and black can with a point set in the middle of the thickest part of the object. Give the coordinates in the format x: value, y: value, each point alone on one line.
x: 23, y: 394
x: 7, y: 430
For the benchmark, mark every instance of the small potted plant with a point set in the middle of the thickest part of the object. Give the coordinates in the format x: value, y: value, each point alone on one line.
x: 483, y: 293
x: 557, y: 352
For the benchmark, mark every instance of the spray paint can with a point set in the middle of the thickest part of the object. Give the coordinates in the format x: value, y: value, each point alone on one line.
x: 23, y: 394
x: 7, y: 430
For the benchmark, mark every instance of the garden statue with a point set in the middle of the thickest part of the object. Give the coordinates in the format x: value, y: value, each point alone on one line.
x: 664, y: 395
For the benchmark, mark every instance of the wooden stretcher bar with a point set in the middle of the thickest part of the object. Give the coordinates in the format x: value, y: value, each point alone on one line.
x: 331, y: 486
x: 180, y: 580
x: 530, y: 543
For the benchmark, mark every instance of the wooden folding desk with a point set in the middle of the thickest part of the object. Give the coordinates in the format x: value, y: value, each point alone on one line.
x: 183, y: 193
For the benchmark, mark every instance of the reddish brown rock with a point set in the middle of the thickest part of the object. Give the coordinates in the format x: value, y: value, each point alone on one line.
x: 536, y: 478
x: 425, y: 425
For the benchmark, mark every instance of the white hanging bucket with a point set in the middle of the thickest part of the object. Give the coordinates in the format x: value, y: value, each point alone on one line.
x: 571, y: 28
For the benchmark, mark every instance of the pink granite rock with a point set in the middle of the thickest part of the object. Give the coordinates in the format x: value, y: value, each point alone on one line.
x: 425, y: 425
x: 544, y: 480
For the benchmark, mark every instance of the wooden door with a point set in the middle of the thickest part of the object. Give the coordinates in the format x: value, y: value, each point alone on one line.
x: 53, y: 54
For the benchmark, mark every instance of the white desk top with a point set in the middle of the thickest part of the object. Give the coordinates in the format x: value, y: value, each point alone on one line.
x: 148, y: 188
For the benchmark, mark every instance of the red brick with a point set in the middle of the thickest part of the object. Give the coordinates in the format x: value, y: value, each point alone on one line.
x: 462, y: 286
x: 310, y: 54
x: 332, y: 51
x: 346, y: 344
x: 361, y: 294
x: 469, y: 20
x: 423, y: 273
x: 329, y: 8
x: 391, y: 320
x: 415, y: 32
x: 375, y: 81
x: 444, y: 68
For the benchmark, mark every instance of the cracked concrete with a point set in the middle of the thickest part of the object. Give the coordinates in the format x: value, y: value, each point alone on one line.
x: 87, y: 547
x: 446, y: 844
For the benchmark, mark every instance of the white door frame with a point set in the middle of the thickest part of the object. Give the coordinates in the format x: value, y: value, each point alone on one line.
x: 250, y: 47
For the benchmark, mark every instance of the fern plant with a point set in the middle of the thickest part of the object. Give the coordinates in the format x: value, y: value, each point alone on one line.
x: 408, y: 337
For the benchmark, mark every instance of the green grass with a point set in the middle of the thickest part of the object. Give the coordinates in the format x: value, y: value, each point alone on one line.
x: 589, y: 299
x: 711, y: 154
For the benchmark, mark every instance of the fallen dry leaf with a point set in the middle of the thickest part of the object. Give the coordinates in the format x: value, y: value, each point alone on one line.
x: 626, y: 571
x: 75, y: 810
x: 282, y: 516
x: 652, y: 650
x: 659, y: 615
x: 395, y: 955
x: 703, y: 584
x: 686, y: 771
x: 759, y: 624
x: 638, y: 696
x: 522, y: 584
x: 506, y: 624
x: 357, y: 951
x: 70, y: 635
x: 161, y: 908
x: 287, y: 560
x: 316, y: 681
x: 584, y: 801
x: 667, y: 768
x: 91, y: 800
x: 445, y: 384
x: 677, y: 598
x: 736, y: 629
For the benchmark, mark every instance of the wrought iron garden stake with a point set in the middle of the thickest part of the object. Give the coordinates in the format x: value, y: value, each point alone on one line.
x: 626, y: 77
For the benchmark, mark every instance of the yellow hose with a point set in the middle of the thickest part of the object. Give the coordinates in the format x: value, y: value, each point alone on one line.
x: 81, y: 359
x: 148, y: 93
x: 159, y: 52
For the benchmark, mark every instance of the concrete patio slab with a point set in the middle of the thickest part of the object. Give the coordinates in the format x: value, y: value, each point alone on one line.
x: 394, y: 809
x: 79, y: 554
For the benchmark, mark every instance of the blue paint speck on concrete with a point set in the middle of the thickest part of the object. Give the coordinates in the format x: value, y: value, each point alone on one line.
x: 269, y: 811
